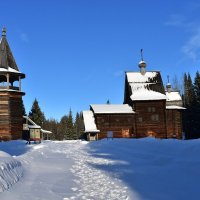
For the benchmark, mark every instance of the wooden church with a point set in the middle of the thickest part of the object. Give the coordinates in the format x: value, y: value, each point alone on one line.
x: 11, y: 119
x: 149, y: 110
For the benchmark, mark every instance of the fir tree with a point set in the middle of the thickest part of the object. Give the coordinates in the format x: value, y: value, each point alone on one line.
x: 52, y: 125
x: 197, y: 88
x: 36, y: 114
x: 78, y: 125
x: 70, y: 127
x: 196, y: 109
x: 191, y: 93
x: 186, y: 94
x: 63, y: 128
x: 23, y: 108
x: 192, y: 114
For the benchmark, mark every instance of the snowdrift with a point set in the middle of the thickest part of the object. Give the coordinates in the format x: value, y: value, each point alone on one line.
x: 10, y: 171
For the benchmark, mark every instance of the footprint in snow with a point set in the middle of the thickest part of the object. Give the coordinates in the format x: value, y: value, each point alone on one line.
x: 74, y: 189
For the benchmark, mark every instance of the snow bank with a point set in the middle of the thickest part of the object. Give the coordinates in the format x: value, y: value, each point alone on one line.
x: 10, y: 171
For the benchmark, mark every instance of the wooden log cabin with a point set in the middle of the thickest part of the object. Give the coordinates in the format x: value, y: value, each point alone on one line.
x: 148, y: 109
x: 11, y: 119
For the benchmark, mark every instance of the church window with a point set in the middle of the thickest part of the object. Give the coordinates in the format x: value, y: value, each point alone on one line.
x: 155, y: 117
x: 140, y: 119
x: 151, y: 109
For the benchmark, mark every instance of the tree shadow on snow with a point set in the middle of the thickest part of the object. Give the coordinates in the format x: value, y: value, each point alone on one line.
x: 150, y: 169
x: 14, y: 147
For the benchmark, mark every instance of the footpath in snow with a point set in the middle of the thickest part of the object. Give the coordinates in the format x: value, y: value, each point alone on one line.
x: 119, y: 169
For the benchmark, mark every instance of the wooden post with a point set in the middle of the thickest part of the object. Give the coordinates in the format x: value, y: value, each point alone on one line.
x: 97, y: 136
x: 7, y: 76
x: 20, y: 83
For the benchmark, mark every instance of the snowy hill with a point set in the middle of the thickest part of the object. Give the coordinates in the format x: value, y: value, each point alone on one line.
x: 116, y: 169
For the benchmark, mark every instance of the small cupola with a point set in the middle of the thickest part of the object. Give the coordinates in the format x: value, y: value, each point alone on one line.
x: 4, y: 32
x: 168, y: 86
x: 142, y: 64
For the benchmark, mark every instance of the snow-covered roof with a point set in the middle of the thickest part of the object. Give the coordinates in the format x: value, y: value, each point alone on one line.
x: 45, y: 131
x: 89, y: 121
x: 137, y: 77
x: 30, y: 120
x: 10, y: 90
x: 146, y: 94
x: 34, y: 126
x: 175, y: 107
x: 173, y: 96
x: 9, y: 70
x: 112, y: 108
x: 147, y: 86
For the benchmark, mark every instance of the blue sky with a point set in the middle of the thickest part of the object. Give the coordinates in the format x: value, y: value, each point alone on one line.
x: 75, y: 52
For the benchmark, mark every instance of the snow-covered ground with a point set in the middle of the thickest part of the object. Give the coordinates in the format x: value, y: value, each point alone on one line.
x: 119, y: 169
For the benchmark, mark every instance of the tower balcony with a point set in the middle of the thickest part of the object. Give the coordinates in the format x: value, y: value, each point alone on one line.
x: 10, y: 88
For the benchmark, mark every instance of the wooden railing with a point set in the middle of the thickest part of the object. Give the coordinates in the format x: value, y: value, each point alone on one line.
x: 10, y: 87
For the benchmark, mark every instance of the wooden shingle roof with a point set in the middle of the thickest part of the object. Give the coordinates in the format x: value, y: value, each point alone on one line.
x: 6, y: 57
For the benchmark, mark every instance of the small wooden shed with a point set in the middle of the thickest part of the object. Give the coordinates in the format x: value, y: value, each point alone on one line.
x: 33, y: 132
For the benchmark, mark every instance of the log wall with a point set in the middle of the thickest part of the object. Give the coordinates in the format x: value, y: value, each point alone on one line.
x: 122, y: 125
x: 11, y: 119
x: 150, y: 118
x: 174, y: 124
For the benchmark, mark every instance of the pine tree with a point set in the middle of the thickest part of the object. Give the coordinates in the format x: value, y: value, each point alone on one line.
x: 78, y: 125
x: 186, y: 93
x: 192, y: 114
x: 108, y: 101
x: 196, y: 109
x: 52, y: 125
x: 191, y: 92
x: 36, y: 114
x: 197, y: 88
x: 23, y: 108
x: 70, y: 127
x: 63, y: 128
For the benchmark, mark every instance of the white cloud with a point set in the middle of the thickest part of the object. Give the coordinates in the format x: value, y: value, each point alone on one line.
x: 192, y: 47
x: 176, y: 20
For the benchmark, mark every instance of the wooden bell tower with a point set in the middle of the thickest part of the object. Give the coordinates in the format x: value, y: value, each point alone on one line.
x: 11, y: 114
